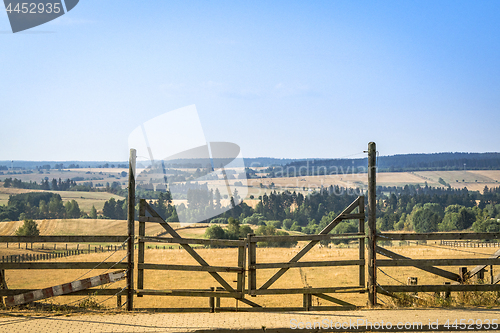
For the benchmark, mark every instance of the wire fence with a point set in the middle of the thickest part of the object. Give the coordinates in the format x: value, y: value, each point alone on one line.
x: 25, y: 257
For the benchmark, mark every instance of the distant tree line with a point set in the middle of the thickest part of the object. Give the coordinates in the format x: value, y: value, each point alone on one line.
x: 66, y: 185
x: 235, y: 230
x: 395, y: 163
x: 54, y: 185
x: 412, y: 208
x: 115, y: 209
x: 38, y: 205
x: 428, y: 209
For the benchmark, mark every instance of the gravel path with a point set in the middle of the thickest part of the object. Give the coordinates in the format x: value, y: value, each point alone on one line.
x: 354, y: 321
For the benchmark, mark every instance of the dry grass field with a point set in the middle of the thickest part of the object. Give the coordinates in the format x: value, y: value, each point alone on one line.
x: 70, y: 227
x: 95, y: 175
x: 474, y: 181
x: 315, y: 277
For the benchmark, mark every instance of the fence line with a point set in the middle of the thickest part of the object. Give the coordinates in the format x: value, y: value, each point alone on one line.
x: 61, y: 254
x: 469, y: 244
x: 252, y: 266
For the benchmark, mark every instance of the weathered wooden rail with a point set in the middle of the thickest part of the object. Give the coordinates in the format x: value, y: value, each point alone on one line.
x: 459, y: 280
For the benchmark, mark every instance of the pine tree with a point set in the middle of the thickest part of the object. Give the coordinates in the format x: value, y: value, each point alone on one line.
x: 217, y: 200
x: 29, y: 228
x: 109, y: 208
x: 93, y: 213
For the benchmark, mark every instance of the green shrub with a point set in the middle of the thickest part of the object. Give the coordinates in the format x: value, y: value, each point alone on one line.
x: 29, y: 228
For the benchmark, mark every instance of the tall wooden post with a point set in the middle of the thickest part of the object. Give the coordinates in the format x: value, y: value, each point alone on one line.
x: 130, y: 220
x: 242, y: 250
x: 3, y: 283
x: 361, y: 229
x: 252, y: 255
x: 372, y: 241
x: 140, y: 247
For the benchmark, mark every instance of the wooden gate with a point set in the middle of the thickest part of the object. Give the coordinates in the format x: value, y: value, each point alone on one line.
x: 264, y: 289
x: 147, y: 215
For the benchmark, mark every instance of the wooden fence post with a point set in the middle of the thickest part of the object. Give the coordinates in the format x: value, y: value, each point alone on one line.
x: 140, y: 254
x: 3, y: 283
x: 252, y: 274
x: 463, y: 273
x: 307, y: 301
x: 447, y: 293
x: 241, y: 275
x: 372, y: 241
x: 130, y: 220
x: 480, y: 276
x: 211, y: 301
x: 361, y: 229
x: 217, y: 299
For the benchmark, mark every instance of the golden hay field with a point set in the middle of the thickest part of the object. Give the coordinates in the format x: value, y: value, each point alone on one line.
x: 315, y: 277
x: 69, y: 227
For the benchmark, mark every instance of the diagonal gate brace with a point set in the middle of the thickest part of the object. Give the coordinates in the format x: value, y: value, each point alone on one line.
x: 479, y: 268
x: 335, y: 300
x: 195, y: 255
x: 496, y: 279
x: 311, y: 244
x: 430, y: 269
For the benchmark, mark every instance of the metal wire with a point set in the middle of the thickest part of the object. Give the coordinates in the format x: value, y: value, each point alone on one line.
x: 397, y: 281
x: 99, y: 264
x: 361, y: 153
x: 116, y: 263
x: 113, y: 295
x: 449, y: 248
x: 113, y: 252
x: 390, y: 276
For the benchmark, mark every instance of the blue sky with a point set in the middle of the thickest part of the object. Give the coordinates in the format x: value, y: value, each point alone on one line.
x: 289, y: 79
